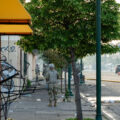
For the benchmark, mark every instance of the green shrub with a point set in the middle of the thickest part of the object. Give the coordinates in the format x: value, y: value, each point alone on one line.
x: 28, y: 83
x: 67, y: 94
x: 66, y: 97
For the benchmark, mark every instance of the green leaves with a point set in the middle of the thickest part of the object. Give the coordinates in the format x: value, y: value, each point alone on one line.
x: 54, y: 56
x: 62, y: 24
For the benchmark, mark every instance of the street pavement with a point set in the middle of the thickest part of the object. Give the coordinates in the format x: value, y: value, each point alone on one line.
x: 110, y: 93
x: 35, y: 107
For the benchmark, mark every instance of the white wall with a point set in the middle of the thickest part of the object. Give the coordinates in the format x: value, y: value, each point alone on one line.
x: 31, y: 70
x: 11, y: 50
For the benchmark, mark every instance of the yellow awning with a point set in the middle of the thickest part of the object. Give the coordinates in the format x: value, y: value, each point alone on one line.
x: 11, y: 29
x: 12, y: 11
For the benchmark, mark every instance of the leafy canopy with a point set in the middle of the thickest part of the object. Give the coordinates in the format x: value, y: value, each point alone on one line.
x: 66, y: 24
x: 53, y: 56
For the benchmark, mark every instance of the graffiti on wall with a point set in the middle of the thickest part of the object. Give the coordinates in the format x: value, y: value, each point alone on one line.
x: 8, y: 49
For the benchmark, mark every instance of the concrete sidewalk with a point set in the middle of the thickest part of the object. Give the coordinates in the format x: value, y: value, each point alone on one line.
x: 34, y: 107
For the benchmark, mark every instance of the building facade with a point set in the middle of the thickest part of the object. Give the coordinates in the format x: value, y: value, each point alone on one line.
x: 15, y: 56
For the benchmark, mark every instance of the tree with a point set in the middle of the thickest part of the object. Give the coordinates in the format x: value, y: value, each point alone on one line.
x: 54, y: 56
x: 70, y: 26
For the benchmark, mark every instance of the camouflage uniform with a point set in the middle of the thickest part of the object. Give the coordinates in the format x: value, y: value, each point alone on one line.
x: 52, y: 92
x: 52, y: 79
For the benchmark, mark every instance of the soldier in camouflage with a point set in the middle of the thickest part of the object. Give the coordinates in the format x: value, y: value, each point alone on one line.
x: 52, y: 80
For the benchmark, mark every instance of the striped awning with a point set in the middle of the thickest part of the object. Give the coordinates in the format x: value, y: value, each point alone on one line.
x: 14, y: 19
x: 12, y: 11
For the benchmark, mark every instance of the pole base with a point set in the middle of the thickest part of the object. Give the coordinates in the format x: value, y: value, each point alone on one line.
x: 98, y: 117
x: 70, y: 93
x: 82, y: 82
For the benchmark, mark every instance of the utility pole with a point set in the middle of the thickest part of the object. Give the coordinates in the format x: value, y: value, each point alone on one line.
x: 98, y: 60
x: 8, y: 49
x: 0, y: 79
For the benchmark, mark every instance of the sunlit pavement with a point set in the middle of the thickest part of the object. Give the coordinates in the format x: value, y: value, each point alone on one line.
x: 34, y: 107
x: 107, y: 76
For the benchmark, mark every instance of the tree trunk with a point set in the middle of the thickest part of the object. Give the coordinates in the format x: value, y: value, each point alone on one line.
x: 77, y: 90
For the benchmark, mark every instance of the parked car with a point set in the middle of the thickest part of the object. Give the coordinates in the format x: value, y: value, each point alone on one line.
x: 117, y: 70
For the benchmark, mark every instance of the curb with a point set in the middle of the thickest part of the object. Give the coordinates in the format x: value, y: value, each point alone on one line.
x: 104, y: 113
x: 105, y: 80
